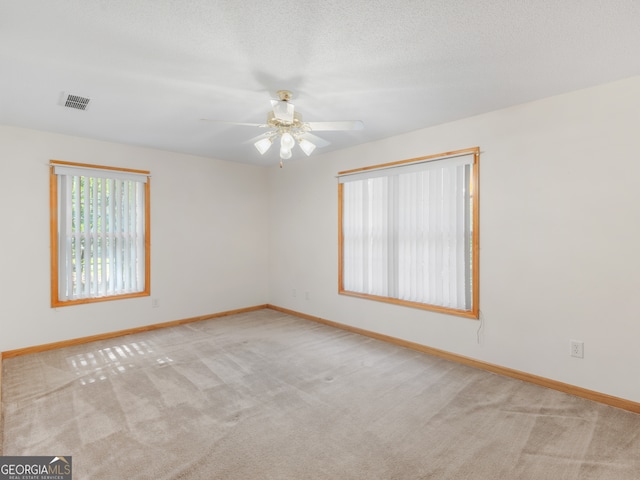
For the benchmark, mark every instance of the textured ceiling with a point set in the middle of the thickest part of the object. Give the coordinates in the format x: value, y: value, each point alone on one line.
x: 154, y: 68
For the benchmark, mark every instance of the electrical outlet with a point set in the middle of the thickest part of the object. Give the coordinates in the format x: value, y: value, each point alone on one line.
x: 293, y: 292
x: 306, y: 295
x: 577, y: 348
x: 155, y: 302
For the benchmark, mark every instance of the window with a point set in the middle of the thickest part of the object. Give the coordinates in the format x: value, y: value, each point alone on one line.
x: 99, y: 233
x: 408, y: 232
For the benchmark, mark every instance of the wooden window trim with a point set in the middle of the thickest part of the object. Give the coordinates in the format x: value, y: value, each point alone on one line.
x: 53, y: 231
x: 474, y: 313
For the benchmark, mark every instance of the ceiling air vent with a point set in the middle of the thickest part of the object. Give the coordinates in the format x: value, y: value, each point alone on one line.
x: 76, y: 101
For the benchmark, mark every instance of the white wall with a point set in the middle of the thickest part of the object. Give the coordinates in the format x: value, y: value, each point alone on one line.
x: 559, y: 238
x: 208, y: 238
x: 560, y: 222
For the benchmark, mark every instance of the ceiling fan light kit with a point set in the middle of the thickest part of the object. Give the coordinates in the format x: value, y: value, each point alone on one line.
x: 263, y: 145
x: 287, y: 125
x: 306, y: 146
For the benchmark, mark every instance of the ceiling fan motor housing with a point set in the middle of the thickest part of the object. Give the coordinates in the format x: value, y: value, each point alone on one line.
x: 284, y: 95
x: 276, y: 122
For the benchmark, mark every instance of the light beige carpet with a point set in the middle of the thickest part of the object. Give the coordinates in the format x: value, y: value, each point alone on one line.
x: 265, y: 395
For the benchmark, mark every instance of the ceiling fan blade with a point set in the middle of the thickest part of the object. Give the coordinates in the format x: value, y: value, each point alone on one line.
x: 283, y: 110
x: 317, y: 141
x: 326, y: 126
x: 262, y: 125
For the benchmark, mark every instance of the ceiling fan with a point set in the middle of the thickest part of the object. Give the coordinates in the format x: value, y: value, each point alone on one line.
x: 287, y: 125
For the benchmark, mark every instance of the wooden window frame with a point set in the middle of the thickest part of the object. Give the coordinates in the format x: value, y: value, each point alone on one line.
x: 54, y: 235
x: 474, y: 312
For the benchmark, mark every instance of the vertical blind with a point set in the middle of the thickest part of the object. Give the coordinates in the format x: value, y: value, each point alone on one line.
x: 407, y: 232
x: 101, y: 232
